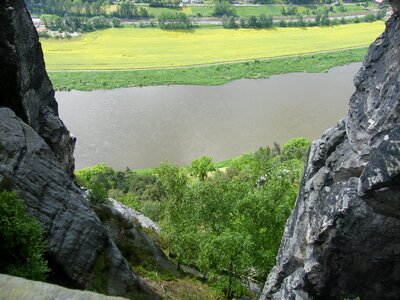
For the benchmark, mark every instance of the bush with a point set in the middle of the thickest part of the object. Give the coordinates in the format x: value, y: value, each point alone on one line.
x: 98, y: 194
x: 21, y: 240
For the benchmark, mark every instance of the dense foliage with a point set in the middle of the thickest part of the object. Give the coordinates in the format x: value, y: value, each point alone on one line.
x: 225, y: 220
x: 78, y: 24
x: 171, y: 20
x: 21, y: 240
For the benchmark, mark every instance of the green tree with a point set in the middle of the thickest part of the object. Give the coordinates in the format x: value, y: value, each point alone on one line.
x: 125, y: 10
x: 253, y: 22
x: 170, y: 20
x: 179, y: 229
x: 227, y: 254
x: 264, y: 21
x: 21, y: 240
x: 224, y: 9
x: 116, y: 22
x: 201, y: 167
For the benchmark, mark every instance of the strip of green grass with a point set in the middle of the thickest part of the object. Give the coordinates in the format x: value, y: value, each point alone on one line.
x: 207, y: 75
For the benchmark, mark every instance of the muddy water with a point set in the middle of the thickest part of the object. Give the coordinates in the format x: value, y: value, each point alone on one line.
x: 141, y: 127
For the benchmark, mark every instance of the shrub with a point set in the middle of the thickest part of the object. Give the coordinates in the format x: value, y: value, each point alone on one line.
x: 98, y: 194
x: 21, y: 240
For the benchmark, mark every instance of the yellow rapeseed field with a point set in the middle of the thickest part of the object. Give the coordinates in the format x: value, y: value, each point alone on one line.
x: 136, y: 48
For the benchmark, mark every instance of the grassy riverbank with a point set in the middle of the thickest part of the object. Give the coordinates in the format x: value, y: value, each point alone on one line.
x: 207, y: 75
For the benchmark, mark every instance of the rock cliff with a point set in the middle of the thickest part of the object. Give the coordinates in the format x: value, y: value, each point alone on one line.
x: 36, y: 161
x: 343, y: 237
x: 24, y: 84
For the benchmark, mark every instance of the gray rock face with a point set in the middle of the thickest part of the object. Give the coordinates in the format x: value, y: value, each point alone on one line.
x: 343, y: 237
x: 132, y: 238
x: 135, y: 216
x: 36, y: 161
x: 16, y: 288
x: 24, y: 84
x: 79, y: 248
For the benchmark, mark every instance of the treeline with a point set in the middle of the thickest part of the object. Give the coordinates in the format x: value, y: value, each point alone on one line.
x: 321, y: 19
x: 171, y: 20
x: 227, y: 221
x: 78, y: 24
x: 167, y: 20
x: 81, y: 8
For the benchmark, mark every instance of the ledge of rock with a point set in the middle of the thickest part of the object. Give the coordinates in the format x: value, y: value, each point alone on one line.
x: 22, y: 289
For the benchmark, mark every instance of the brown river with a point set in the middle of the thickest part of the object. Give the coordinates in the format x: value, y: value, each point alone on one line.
x: 141, y: 127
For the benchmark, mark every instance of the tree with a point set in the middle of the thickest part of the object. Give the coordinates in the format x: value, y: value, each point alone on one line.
x: 116, y: 22
x: 201, y: 167
x: 224, y: 9
x: 229, y: 254
x: 179, y: 227
x: 264, y: 21
x: 253, y: 22
x: 21, y: 240
x: 125, y: 10
x: 170, y: 20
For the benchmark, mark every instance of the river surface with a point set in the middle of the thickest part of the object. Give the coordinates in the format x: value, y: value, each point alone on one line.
x: 141, y: 127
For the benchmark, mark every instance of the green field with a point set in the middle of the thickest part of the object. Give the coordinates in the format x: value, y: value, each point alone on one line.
x: 144, y: 48
x: 208, y: 75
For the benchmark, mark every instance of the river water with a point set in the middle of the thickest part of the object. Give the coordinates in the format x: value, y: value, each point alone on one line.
x: 141, y: 127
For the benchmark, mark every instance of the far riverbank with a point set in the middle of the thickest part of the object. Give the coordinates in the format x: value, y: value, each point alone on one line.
x: 207, y: 75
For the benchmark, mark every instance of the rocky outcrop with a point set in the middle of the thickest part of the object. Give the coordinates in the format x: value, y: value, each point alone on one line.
x: 36, y: 161
x: 343, y: 237
x: 80, y: 251
x: 135, y: 216
x: 16, y: 288
x: 136, y: 242
x: 24, y: 84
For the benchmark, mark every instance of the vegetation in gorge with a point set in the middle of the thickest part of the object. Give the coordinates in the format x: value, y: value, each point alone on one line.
x: 146, y: 48
x: 21, y: 240
x: 226, y: 222
x: 207, y: 75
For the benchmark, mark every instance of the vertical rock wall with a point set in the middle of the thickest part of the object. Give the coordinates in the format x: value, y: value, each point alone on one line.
x: 24, y: 84
x: 343, y: 237
x: 36, y: 161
